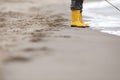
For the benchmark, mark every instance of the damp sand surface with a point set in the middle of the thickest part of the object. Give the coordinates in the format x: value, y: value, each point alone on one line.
x: 37, y: 43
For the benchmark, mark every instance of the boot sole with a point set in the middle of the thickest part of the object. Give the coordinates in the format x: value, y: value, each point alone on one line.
x: 80, y: 26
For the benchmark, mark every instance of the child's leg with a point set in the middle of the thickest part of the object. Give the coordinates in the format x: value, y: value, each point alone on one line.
x: 81, y: 5
x: 76, y: 7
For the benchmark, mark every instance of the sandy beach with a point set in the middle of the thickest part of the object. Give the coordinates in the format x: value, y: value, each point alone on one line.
x: 37, y: 43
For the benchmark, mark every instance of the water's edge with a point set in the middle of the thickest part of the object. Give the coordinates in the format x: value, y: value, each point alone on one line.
x: 103, y: 17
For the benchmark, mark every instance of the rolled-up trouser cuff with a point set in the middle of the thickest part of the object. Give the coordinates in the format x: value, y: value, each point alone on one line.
x: 77, y: 5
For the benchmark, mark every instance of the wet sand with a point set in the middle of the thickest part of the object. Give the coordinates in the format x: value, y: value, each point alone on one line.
x: 37, y: 43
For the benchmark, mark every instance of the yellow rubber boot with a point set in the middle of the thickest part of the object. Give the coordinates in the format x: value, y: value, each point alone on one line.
x: 81, y: 20
x: 76, y: 19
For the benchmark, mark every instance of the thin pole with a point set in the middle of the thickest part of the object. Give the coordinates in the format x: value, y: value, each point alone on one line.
x: 113, y: 5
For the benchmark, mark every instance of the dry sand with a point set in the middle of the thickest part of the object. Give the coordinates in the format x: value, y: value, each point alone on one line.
x: 36, y: 43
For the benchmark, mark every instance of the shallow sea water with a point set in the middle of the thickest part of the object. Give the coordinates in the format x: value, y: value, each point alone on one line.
x: 102, y: 16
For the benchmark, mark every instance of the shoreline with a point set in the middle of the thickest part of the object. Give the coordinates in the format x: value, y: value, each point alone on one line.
x: 35, y: 45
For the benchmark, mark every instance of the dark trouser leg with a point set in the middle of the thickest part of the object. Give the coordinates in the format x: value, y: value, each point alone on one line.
x: 77, y: 5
